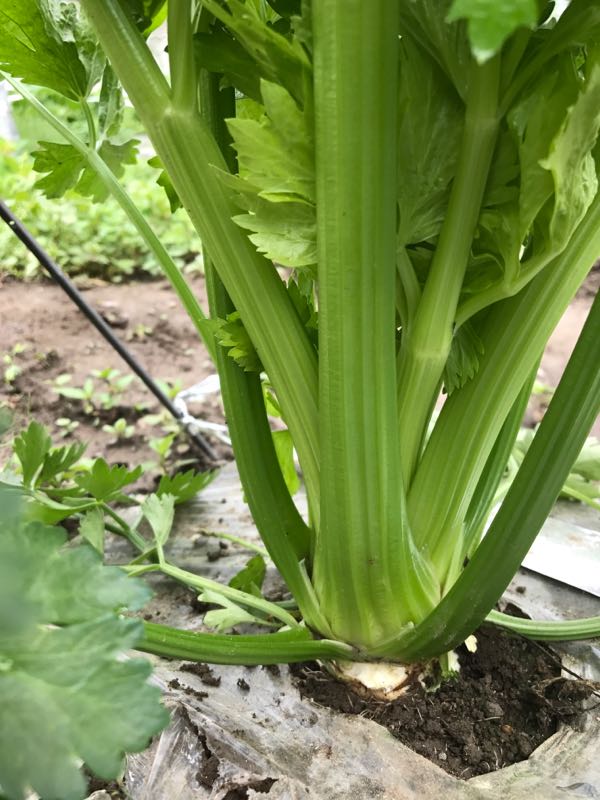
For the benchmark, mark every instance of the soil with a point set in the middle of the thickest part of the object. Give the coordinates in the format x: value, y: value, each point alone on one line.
x: 59, y: 340
x: 507, y: 699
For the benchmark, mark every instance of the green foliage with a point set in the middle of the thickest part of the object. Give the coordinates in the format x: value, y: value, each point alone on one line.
x: 232, y: 335
x: 277, y: 182
x: 95, y: 239
x: 67, y: 169
x: 106, y: 483
x: 48, y: 44
x: 273, y: 56
x: 491, y: 23
x: 65, y: 695
x: 426, y: 163
x: 183, y: 486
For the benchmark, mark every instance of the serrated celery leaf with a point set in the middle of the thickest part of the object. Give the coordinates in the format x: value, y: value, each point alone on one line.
x: 275, y: 57
x: 64, y: 695
x: 48, y: 44
x: 251, y: 578
x: 67, y: 168
x: 284, y: 232
x: 62, y: 702
x: 232, y: 335
x: 490, y: 23
x: 276, y: 154
x: 464, y: 357
x: 65, y: 585
x: 105, y: 482
x: 429, y: 133
x: 185, y: 486
x: 31, y: 447
x: 277, y: 181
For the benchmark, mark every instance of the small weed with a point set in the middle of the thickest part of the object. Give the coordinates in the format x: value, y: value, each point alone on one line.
x: 67, y: 426
x: 121, y: 430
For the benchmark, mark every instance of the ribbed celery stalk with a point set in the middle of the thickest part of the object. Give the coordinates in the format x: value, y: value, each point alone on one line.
x: 365, y: 574
x: 556, y: 445
x: 426, y: 342
x: 190, y: 155
x: 514, y: 337
x: 283, y: 531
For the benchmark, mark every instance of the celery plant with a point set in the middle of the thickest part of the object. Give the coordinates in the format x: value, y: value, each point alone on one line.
x: 427, y: 170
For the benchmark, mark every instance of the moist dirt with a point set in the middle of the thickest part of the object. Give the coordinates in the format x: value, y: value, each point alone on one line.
x: 55, y: 339
x: 508, y: 698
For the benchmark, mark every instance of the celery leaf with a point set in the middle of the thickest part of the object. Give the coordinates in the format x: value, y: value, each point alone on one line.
x: 232, y: 335
x: 276, y: 184
x: 66, y: 697
x: 276, y: 58
x: 429, y: 132
x: 105, y: 482
x: 66, y: 168
x: 490, y: 23
x: 184, y: 486
x: 48, y: 43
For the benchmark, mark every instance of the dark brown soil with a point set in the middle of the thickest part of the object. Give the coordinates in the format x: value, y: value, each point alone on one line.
x: 58, y: 339
x: 508, y: 699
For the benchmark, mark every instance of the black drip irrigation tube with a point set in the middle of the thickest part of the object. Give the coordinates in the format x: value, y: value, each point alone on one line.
x: 92, y: 315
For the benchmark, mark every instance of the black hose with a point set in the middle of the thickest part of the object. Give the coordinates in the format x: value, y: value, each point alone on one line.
x: 71, y: 290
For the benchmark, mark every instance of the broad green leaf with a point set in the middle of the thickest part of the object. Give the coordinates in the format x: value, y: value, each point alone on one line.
x: 184, y: 486
x: 490, y: 22
x: 106, y: 482
x: 31, y: 448
x: 232, y: 335
x: 46, y: 43
x: 159, y: 511
x: 251, y: 578
x: 429, y: 133
x: 284, y: 447
x: 65, y: 695
x: 91, y: 528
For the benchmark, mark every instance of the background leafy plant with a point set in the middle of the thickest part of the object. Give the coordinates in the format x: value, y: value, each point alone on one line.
x: 96, y: 239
